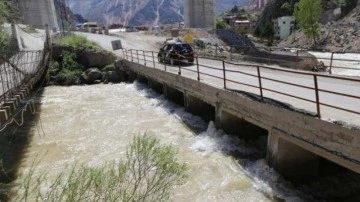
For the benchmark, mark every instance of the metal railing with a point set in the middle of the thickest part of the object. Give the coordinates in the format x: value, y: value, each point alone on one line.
x: 311, y: 88
x: 17, y: 71
x: 333, y: 61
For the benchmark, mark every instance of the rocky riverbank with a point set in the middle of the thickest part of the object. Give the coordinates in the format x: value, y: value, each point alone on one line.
x: 72, y: 66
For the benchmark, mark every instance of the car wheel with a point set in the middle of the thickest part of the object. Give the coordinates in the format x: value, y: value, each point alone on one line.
x: 160, y: 58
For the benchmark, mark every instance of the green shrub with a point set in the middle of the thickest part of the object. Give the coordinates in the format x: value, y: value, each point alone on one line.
x: 110, y: 67
x: 149, y: 172
x: 70, y: 70
x: 5, y: 40
x: 77, y: 41
x: 70, y: 63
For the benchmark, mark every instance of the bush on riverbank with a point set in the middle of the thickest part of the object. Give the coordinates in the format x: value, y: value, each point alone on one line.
x: 149, y: 172
x: 69, y: 71
x: 76, y: 41
x: 89, y: 54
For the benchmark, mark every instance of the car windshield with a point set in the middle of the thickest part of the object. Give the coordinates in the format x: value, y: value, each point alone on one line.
x: 183, y: 46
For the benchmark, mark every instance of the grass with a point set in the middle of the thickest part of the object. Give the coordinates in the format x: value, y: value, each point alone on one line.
x: 30, y: 29
x: 77, y: 41
x: 110, y: 67
x: 149, y: 172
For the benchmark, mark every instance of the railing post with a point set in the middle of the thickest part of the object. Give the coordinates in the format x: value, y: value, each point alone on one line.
x: 216, y: 49
x: 317, y: 96
x: 224, y: 74
x: 137, y: 56
x: 297, y: 55
x: 179, y: 72
x: 270, y: 55
x: 132, y: 57
x: 144, y: 58
x: 260, y: 83
x: 331, y: 61
x: 152, y: 54
x: 197, y: 67
x: 126, y: 54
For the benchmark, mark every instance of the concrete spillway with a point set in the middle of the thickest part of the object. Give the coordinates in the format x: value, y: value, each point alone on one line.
x: 38, y: 13
x: 200, y: 13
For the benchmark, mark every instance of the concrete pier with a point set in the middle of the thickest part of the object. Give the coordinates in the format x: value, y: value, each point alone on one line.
x: 291, y: 160
x: 38, y: 13
x: 200, y: 14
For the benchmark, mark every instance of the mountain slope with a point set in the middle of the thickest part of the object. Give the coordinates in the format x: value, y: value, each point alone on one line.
x: 138, y: 12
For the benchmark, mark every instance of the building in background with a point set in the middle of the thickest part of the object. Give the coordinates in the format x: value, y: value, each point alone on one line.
x: 284, y: 26
x: 200, y: 14
x: 37, y: 13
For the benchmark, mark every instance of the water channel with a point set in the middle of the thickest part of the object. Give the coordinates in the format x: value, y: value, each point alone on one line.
x: 93, y: 124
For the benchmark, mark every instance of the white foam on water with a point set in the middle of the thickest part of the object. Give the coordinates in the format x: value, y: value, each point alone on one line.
x: 265, y: 179
x: 213, y: 140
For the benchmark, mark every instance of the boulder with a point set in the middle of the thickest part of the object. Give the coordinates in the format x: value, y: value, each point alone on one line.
x: 91, y: 75
x: 112, y: 76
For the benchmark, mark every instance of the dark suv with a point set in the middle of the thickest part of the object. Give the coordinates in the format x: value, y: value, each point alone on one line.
x: 176, y: 52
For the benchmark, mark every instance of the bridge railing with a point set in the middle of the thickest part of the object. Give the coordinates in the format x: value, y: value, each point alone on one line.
x: 22, y: 68
x: 17, y: 71
x: 333, y: 62
x: 317, y: 93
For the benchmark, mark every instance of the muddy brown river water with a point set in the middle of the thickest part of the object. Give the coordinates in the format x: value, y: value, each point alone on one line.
x: 93, y: 124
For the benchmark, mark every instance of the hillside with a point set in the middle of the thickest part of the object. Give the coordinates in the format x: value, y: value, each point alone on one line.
x: 138, y: 12
x: 338, y: 32
x: 342, y: 35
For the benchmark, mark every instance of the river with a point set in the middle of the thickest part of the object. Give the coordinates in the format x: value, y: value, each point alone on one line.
x: 93, y: 124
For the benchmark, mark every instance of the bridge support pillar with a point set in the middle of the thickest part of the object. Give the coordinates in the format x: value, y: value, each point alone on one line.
x: 198, y: 107
x: 218, y: 109
x: 290, y: 160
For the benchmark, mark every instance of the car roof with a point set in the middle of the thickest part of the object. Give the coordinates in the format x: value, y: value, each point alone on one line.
x: 175, y: 41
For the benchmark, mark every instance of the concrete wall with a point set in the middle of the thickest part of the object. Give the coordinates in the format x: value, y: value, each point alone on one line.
x: 311, y: 136
x: 38, y: 13
x: 200, y: 14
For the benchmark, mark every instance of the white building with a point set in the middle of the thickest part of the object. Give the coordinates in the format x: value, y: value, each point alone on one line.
x: 284, y: 26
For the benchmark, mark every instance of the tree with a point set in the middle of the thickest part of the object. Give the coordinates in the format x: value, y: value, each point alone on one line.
x: 286, y: 8
x: 307, y: 14
x: 8, y: 12
x: 221, y: 24
x: 268, y: 32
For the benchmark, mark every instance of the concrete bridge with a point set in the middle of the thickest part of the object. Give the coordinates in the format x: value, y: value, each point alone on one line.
x: 298, y: 141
